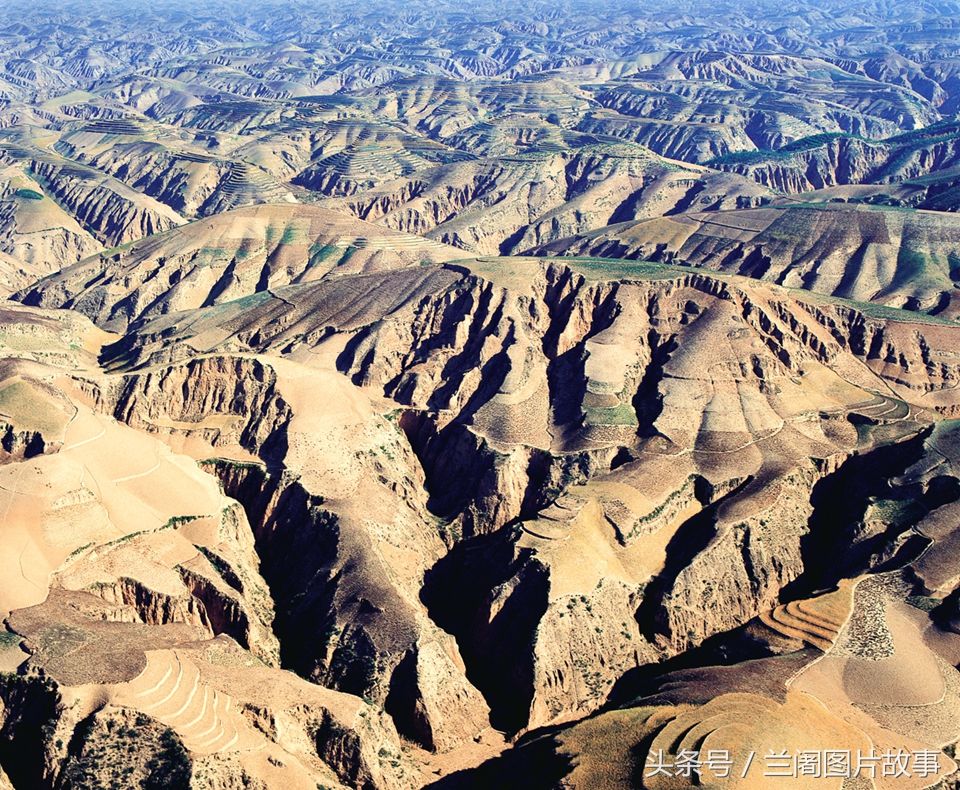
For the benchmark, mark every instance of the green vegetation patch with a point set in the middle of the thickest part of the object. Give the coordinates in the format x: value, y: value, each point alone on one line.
x: 222, y: 567
x: 896, y: 513
x: 747, y: 157
x: 323, y: 253
x: 672, y: 498
x: 611, y: 269
x: 621, y: 414
x: 210, y: 256
x: 229, y: 463
x: 895, y: 313
x: 907, y: 142
x: 817, y: 141
x: 785, y: 152
x: 292, y: 235
x: 178, y: 521
x: 601, y: 269
x: 915, y: 267
x: 171, y: 523
x: 29, y: 409
x: 924, y: 603
x: 121, y: 750
x: 953, y: 265
x: 935, y: 133
x: 872, y: 310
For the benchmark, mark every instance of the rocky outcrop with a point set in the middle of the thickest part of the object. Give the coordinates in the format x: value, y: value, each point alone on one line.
x: 158, y: 755
x: 204, y: 605
x: 683, y: 445
x: 582, y: 646
x: 215, y: 588
x: 365, y: 756
x: 735, y: 566
x: 137, y: 603
x: 180, y: 399
x: 23, y: 444
x: 344, y: 618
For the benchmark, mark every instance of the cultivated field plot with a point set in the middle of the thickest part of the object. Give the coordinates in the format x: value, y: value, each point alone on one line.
x: 476, y: 396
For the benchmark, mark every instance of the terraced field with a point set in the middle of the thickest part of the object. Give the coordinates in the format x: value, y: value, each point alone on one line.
x: 428, y: 394
x: 815, y: 621
x: 172, y: 691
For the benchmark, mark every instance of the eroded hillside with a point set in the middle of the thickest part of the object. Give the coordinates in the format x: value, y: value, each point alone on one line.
x: 477, y: 398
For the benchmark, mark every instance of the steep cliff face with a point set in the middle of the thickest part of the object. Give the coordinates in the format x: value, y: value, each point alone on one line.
x: 528, y: 478
x: 223, y: 401
x: 150, y: 605
x: 616, y: 338
x: 490, y: 362
x: 137, y: 603
x: 738, y: 563
x: 202, y: 604
x: 839, y: 160
x: 34, y: 230
x: 573, y: 610
x: 194, y: 570
x: 725, y: 522
x: 843, y: 160
x: 306, y: 483
x: 347, y: 613
x: 342, y: 546
x: 889, y: 511
x: 112, y: 213
x: 31, y: 711
x: 684, y: 445
x: 285, y: 729
x: 18, y: 445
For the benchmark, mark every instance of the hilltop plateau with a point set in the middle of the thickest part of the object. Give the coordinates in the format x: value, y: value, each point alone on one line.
x: 430, y: 396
